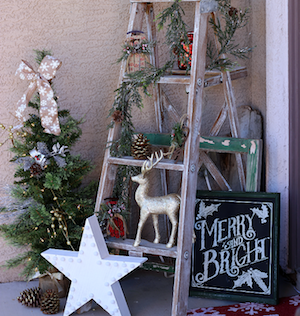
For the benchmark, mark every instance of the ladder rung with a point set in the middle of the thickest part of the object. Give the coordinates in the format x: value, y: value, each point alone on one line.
x: 176, y: 79
x: 213, y: 78
x: 164, y: 164
x: 145, y: 246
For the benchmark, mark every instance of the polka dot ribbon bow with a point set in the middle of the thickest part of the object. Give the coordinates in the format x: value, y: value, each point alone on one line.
x: 40, y: 80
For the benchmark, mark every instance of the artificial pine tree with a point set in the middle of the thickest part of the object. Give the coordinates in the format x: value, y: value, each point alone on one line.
x: 47, y: 189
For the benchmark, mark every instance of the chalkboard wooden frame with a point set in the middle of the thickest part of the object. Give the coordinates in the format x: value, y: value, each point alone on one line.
x: 235, y: 256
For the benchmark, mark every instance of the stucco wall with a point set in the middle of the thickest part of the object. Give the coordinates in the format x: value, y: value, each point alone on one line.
x: 86, y: 36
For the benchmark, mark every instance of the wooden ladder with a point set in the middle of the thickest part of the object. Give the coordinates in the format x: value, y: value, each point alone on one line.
x: 191, y: 163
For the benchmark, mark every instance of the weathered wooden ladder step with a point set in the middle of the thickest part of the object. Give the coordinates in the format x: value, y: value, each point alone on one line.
x: 211, y: 78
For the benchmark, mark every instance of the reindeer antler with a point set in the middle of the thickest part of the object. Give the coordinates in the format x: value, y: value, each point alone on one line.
x: 149, y: 164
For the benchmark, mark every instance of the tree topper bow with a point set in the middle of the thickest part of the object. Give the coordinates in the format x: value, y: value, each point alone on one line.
x: 40, y: 81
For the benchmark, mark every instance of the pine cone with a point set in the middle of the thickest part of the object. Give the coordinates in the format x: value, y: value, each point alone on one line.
x: 50, y: 302
x: 118, y: 116
x: 30, y: 297
x: 232, y: 11
x: 140, y: 147
x: 36, y: 169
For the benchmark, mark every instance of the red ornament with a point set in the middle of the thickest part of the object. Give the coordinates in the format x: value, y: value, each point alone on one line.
x: 116, y: 226
x: 183, y: 61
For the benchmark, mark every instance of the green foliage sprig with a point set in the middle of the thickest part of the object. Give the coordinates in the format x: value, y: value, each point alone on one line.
x: 176, y: 34
x: 232, y: 20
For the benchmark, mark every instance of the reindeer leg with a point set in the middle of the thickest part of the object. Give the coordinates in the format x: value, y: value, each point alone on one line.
x: 156, y: 229
x: 143, y: 218
x: 174, y: 221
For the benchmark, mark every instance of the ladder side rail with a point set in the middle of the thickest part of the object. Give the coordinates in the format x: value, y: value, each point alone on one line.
x: 191, y: 161
x: 109, y: 171
x: 151, y: 32
x: 137, y: 11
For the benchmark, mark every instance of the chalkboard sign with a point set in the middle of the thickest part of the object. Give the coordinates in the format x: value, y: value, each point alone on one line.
x: 235, y: 256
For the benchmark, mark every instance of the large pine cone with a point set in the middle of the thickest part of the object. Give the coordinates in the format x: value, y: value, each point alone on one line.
x: 30, y: 297
x: 140, y: 148
x: 50, y: 302
x: 36, y: 170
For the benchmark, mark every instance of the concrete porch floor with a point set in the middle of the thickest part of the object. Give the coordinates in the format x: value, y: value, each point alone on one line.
x: 147, y: 293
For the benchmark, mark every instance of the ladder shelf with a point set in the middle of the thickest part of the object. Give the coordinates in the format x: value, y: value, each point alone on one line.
x: 145, y: 247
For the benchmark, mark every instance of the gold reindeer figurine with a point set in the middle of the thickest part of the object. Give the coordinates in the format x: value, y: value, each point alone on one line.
x: 167, y: 204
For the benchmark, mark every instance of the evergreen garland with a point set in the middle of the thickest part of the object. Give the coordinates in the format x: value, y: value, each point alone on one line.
x: 58, y: 205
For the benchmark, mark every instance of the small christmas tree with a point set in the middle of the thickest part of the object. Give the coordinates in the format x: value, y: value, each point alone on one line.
x: 47, y: 189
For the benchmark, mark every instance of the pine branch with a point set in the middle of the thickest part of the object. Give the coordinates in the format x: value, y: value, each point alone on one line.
x: 176, y: 34
x: 233, y: 20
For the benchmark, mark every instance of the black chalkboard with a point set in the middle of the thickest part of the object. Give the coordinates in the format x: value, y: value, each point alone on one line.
x: 235, y: 255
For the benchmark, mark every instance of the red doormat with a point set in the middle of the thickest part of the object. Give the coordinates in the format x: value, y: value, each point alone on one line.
x: 287, y: 307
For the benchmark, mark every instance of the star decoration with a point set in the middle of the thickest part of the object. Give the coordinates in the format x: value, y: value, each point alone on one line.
x: 94, y: 273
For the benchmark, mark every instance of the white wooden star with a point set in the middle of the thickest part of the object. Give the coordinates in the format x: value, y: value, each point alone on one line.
x: 94, y: 273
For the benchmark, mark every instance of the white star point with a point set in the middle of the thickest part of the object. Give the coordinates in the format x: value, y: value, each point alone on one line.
x: 93, y: 270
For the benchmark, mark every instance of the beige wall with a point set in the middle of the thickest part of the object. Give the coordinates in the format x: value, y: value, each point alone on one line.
x: 86, y: 36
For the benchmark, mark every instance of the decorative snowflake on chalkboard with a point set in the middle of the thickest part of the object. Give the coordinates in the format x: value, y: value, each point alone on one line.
x: 205, y: 210
x: 251, y: 308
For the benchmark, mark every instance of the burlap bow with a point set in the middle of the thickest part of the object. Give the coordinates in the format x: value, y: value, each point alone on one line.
x: 39, y: 80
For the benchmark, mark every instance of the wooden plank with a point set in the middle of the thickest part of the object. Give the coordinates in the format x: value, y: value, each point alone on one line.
x: 162, y: 139
x: 177, y: 77
x: 191, y: 162
x: 214, y: 171
x: 254, y: 165
x: 145, y: 247
x: 224, y: 144
x: 165, y: 164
